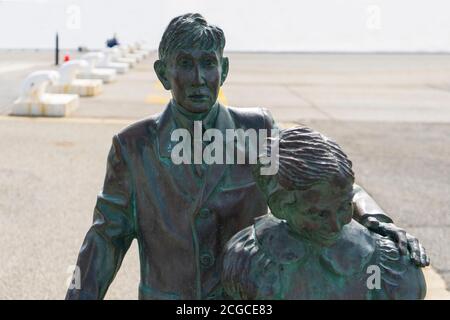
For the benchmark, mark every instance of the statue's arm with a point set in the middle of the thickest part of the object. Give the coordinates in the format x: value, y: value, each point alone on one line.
x: 269, y: 120
x: 369, y: 214
x: 365, y: 207
x: 111, y: 233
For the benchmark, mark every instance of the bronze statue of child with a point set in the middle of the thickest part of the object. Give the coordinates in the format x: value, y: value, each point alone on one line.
x: 308, y: 246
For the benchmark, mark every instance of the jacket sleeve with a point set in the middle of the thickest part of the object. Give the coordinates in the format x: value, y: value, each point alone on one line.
x: 366, y: 207
x: 111, y: 233
x: 268, y: 120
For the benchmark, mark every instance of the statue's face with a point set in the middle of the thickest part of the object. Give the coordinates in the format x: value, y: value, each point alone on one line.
x: 194, y: 77
x: 318, y: 213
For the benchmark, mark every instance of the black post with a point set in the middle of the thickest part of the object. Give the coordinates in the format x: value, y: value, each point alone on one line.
x: 57, y: 50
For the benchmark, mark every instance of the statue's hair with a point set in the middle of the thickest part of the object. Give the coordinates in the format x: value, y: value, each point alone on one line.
x: 190, y: 30
x: 306, y: 157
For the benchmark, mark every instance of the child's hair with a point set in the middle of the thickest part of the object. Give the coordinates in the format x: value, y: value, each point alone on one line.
x: 306, y: 157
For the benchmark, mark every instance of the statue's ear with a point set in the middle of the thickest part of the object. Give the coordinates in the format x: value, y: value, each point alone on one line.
x: 161, y: 70
x: 225, y: 66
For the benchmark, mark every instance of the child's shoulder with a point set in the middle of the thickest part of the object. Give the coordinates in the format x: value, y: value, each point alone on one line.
x: 277, y: 241
x: 253, y: 258
x: 269, y: 236
x: 352, y: 251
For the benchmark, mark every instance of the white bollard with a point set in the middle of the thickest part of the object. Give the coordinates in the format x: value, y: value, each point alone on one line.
x: 119, y: 57
x: 126, y: 52
x: 35, y: 101
x: 104, y: 74
x: 136, y: 49
x: 139, y: 45
x: 106, y: 62
x: 68, y: 83
x: 142, y: 46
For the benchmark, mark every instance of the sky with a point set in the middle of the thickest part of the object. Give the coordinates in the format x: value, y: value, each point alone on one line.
x: 249, y: 25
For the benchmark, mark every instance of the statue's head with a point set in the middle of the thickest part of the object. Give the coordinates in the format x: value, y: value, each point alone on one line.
x: 191, y: 63
x: 312, y: 189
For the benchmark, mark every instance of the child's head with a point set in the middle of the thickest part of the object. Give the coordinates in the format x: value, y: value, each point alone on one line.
x: 312, y: 190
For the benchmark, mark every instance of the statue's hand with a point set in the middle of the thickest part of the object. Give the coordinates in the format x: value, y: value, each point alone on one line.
x: 405, y: 242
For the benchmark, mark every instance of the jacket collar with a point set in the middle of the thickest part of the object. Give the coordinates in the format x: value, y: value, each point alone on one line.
x: 167, y: 124
x: 185, y: 119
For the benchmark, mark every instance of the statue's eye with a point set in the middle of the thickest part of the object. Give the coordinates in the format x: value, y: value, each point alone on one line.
x: 318, y: 214
x: 184, y: 63
x: 314, y: 213
x: 322, y: 214
x: 209, y: 63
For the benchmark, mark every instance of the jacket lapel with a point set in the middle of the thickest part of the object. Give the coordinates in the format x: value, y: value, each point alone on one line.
x: 214, y: 172
x: 181, y: 177
x: 166, y: 125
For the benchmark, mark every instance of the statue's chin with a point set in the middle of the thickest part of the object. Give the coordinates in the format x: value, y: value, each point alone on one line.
x: 324, y: 239
x: 200, y: 107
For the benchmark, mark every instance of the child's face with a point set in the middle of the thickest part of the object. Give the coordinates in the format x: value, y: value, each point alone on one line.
x: 318, y: 213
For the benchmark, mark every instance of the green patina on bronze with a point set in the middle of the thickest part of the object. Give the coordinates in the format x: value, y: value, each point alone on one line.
x: 309, y: 247
x: 183, y: 215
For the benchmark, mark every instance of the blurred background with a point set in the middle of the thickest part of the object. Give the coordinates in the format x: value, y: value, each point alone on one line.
x: 373, y: 75
x: 263, y: 25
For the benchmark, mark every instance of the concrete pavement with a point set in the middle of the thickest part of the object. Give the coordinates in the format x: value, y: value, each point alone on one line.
x: 390, y: 113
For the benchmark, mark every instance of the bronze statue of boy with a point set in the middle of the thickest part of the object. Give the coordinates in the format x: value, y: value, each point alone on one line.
x: 309, y: 247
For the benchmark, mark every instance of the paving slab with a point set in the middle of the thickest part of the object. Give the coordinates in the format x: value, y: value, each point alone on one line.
x: 389, y: 113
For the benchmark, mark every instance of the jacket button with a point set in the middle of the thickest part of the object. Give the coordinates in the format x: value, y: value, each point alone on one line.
x: 204, y: 213
x: 206, y: 260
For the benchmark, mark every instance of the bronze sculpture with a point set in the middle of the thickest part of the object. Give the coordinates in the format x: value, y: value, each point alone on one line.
x: 309, y: 247
x: 183, y: 215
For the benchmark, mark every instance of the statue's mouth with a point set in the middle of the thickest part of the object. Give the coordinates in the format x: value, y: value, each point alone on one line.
x: 326, y: 238
x: 320, y: 237
x: 198, y: 97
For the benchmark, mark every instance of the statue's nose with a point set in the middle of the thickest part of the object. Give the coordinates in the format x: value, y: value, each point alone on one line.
x: 198, y: 78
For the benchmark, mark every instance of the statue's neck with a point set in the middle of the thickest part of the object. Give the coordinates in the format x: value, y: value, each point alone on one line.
x: 194, y: 116
x: 185, y: 119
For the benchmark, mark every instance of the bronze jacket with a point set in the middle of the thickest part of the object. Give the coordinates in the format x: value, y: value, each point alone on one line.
x: 181, y: 226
